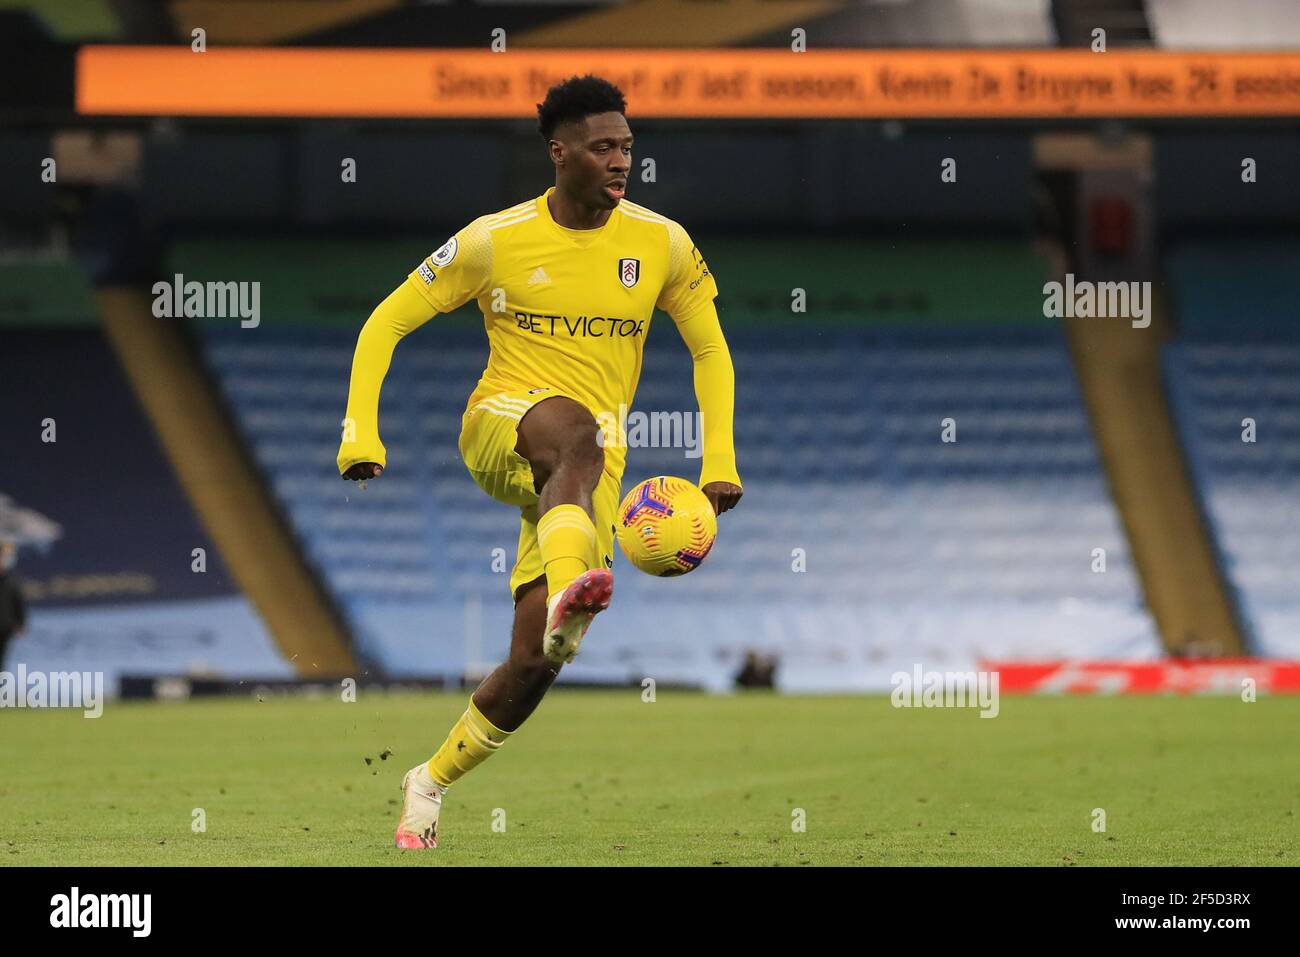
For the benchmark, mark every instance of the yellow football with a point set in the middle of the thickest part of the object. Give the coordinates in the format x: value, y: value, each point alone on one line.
x: 666, y: 526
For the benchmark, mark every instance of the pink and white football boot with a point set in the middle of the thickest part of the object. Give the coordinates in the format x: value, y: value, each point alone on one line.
x: 421, y: 803
x: 569, y: 613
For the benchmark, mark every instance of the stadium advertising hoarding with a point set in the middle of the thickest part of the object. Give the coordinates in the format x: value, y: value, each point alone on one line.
x: 861, y: 84
x: 1164, y: 676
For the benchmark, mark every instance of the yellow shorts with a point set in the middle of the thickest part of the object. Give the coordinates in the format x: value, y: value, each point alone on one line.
x: 487, y: 446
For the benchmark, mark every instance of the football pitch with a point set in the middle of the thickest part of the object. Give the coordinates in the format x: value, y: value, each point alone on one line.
x: 604, y: 778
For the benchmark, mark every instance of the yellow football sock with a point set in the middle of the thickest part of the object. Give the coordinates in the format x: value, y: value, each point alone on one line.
x: 567, y: 540
x: 473, y: 739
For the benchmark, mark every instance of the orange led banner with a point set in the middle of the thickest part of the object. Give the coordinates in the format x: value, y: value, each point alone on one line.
x: 127, y: 81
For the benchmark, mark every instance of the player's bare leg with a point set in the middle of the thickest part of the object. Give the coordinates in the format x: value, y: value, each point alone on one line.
x: 558, y: 437
x: 505, y: 699
x: 552, y: 612
x: 516, y: 687
x: 503, y: 702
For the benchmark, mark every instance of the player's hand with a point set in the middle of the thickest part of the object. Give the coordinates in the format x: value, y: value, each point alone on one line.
x: 722, y: 495
x: 362, y: 471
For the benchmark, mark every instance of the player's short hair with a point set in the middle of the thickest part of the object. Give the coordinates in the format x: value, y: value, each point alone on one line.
x: 577, y: 98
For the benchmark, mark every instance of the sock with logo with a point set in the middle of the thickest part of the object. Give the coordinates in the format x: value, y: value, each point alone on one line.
x: 567, y: 540
x: 473, y: 739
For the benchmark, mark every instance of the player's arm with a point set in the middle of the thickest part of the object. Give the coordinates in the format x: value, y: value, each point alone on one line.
x: 458, y: 271
x: 361, y: 453
x: 715, y: 391
x: 688, y: 297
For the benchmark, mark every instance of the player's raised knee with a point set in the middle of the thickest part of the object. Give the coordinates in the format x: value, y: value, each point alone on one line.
x: 559, y: 433
x: 582, y: 450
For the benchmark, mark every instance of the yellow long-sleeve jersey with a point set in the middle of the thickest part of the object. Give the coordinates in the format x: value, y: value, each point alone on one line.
x: 563, y: 308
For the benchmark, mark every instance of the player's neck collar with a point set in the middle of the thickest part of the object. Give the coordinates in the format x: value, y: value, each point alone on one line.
x: 579, y: 237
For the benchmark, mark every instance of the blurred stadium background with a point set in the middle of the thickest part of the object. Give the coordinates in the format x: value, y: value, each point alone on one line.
x: 865, y: 542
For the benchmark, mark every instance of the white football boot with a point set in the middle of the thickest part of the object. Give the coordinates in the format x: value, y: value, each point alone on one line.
x: 569, y: 613
x: 421, y: 803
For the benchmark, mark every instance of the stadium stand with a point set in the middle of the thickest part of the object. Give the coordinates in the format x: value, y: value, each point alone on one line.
x: 912, y: 546
x: 105, y: 532
x: 1237, y: 358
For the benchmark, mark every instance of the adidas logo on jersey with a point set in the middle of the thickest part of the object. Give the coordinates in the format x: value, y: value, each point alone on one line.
x: 538, y: 277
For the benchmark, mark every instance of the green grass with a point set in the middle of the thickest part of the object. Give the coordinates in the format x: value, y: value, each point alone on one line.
x: 603, y: 778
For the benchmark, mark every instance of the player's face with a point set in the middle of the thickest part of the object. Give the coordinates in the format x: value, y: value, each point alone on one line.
x: 599, y: 158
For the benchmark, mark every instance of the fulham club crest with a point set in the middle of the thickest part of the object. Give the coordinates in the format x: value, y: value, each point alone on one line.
x: 629, y: 271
